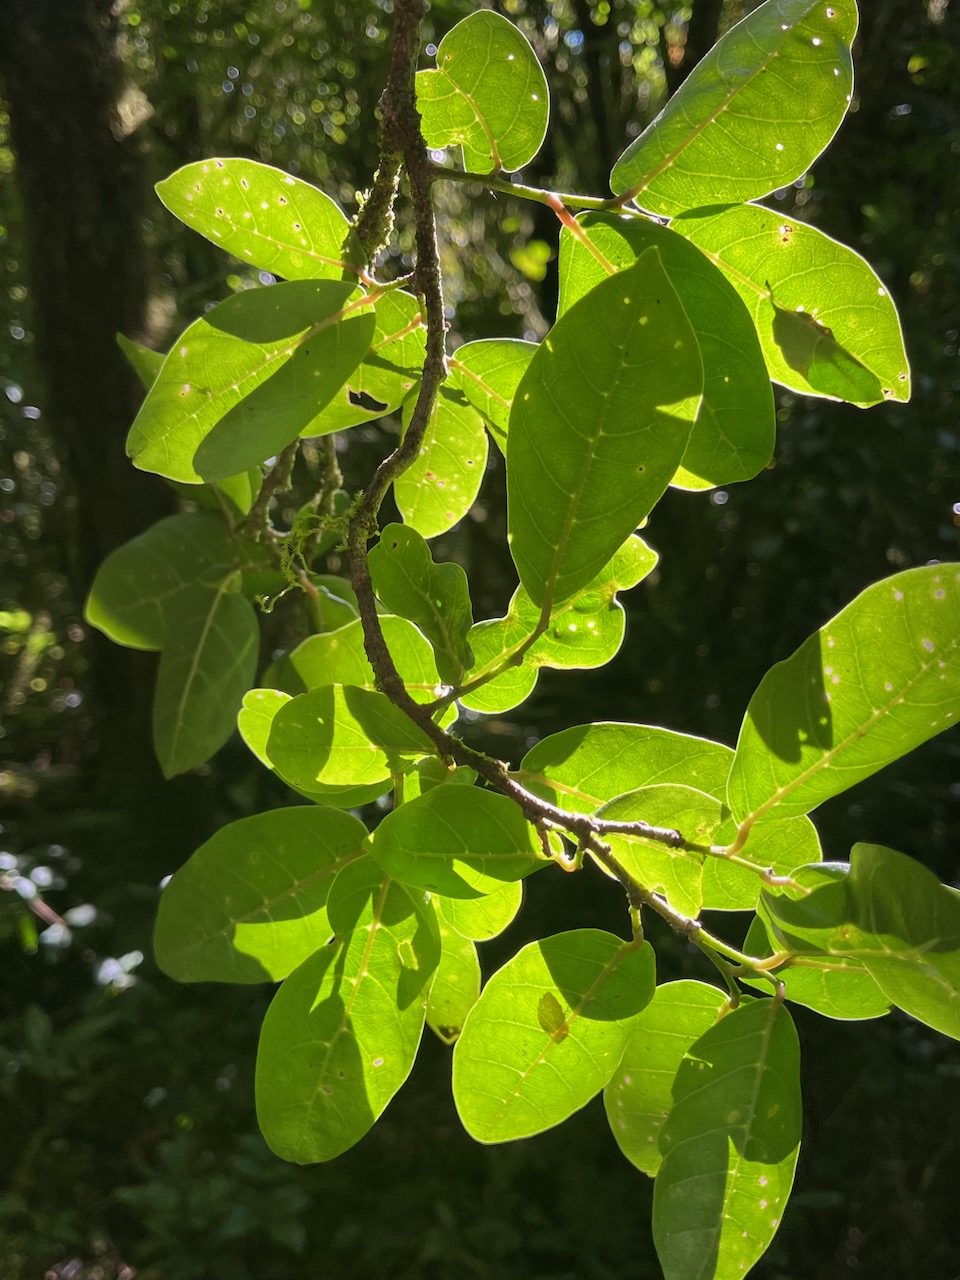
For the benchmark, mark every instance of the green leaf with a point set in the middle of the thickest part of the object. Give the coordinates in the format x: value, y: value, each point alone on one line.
x: 729, y: 1145
x: 143, y: 360
x: 483, y: 918
x: 826, y: 323
x: 442, y: 484
x: 247, y: 378
x: 734, y: 433
x: 639, y: 1096
x: 548, y: 1031
x: 675, y: 873
x: 752, y: 116
x: 338, y: 657
x: 261, y: 215
x: 835, y: 986
x: 255, y: 721
x: 343, y: 736
x: 586, y: 631
x: 386, y: 375
x: 249, y: 905
x: 207, y: 665
x: 431, y: 772
x: 460, y: 842
x: 456, y: 987
x: 779, y: 846
x: 889, y: 912
x: 581, y: 767
x: 434, y: 596
x: 488, y: 373
x: 488, y: 95
x: 599, y: 425
x: 139, y: 590
x: 873, y: 683
x: 341, y: 1034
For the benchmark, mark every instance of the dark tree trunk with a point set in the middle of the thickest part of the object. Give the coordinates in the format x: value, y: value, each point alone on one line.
x: 80, y: 176
x: 79, y: 170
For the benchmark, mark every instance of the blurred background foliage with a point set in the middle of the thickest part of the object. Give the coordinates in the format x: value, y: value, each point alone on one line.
x: 130, y: 1145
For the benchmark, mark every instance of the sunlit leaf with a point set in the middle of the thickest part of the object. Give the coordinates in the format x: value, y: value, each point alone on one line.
x: 434, y: 596
x: 342, y: 736
x: 208, y: 663
x: 263, y: 216
x: 826, y: 323
x: 547, y: 1032
x: 456, y: 986
x: 835, y: 986
x: 488, y: 373
x: 442, y: 484
x: 639, y: 1096
x: 869, y: 686
x: 247, y: 378
x: 581, y: 767
x: 892, y: 914
x: 733, y: 435
x: 249, y: 905
x: 754, y: 113
x: 729, y: 1145
x: 459, y: 842
x: 674, y: 873
x: 488, y: 95
x: 341, y: 1034
x: 598, y: 428
x: 586, y: 631
x: 483, y: 918
x: 145, y: 362
x: 388, y: 372
x: 255, y: 721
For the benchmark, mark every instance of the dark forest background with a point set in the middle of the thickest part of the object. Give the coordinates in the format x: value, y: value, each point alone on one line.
x: 129, y: 1141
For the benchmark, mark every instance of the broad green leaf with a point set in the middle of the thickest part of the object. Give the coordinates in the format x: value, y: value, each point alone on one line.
x: 138, y: 592
x: 247, y: 378
x: 548, y: 1031
x: 729, y: 1145
x: 873, y: 683
x: 734, y: 433
x: 343, y: 736
x: 835, y: 986
x: 586, y: 631
x: 779, y: 846
x: 249, y: 905
x: 826, y: 323
x: 488, y: 95
x: 143, y: 360
x: 891, y: 913
x: 432, y: 772
x: 599, y: 425
x: 581, y: 767
x: 456, y: 987
x: 341, y: 1034
x: 460, y: 842
x: 434, y: 596
x: 754, y: 113
x: 483, y: 918
x: 255, y: 721
x: 488, y: 373
x: 338, y: 657
x: 440, y: 487
x: 639, y: 1096
x: 261, y: 215
x: 386, y: 375
x: 675, y: 873
x: 208, y: 663
x: 693, y: 881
